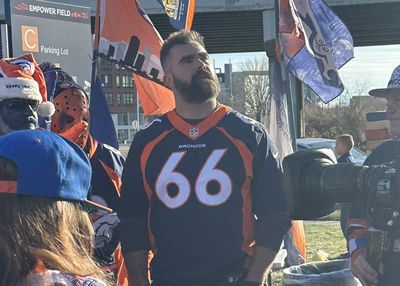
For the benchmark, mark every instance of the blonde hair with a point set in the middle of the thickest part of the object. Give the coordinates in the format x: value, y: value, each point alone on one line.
x: 57, y: 234
x: 346, y: 140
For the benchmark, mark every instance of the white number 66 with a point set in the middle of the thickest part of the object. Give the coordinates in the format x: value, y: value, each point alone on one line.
x: 208, y: 173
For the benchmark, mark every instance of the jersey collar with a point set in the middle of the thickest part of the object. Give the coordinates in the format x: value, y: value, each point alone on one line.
x: 193, y: 132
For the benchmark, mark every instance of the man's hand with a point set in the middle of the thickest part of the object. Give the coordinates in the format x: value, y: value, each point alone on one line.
x: 363, y: 270
x: 260, y: 265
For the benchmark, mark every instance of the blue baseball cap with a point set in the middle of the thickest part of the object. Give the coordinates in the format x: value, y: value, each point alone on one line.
x: 393, y: 87
x: 48, y: 165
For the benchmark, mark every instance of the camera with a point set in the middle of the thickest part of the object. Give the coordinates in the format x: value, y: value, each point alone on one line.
x: 313, y: 183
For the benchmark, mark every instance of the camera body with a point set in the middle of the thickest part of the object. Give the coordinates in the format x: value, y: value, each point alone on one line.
x: 313, y: 183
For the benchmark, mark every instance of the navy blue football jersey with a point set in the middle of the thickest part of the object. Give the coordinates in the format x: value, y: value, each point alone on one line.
x: 200, y: 187
x: 107, y: 164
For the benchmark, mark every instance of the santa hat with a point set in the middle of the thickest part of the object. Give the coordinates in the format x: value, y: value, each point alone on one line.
x: 21, y: 77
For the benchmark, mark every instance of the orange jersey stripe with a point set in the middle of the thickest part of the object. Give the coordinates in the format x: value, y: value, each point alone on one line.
x: 145, y: 156
x: 114, y: 177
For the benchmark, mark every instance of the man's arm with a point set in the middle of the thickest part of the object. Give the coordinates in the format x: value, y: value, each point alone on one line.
x: 357, y: 232
x: 269, y: 230
x: 137, y: 266
x: 132, y: 212
x: 269, y: 206
x: 260, y: 265
x: 134, y: 244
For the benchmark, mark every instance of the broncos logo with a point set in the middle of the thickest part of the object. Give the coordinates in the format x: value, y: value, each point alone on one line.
x: 26, y: 65
x: 107, y: 235
x: 103, y: 227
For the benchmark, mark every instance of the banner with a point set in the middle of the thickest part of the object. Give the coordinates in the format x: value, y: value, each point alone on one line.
x: 315, y: 44
x: 279, y: 119
x: 294, y: 240
x: 101, y: 124
x: 129, y: 38
x: 180, y: 12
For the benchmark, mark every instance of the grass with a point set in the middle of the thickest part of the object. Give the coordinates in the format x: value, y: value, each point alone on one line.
x: 326, y: 237
x: 322, y: 236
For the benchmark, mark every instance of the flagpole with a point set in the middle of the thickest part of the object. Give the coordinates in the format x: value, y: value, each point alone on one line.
x: 95, y: 46
x: 94, y: 55
x: 286, y: 78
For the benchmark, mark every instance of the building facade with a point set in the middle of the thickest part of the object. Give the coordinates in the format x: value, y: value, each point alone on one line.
x: 122, y: 100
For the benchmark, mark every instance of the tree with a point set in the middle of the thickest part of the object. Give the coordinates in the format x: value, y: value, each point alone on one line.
x: 250, y: 87
x: 342, y: 115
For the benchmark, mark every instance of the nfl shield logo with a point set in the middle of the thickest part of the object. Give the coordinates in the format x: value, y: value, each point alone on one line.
x: 193, y: 132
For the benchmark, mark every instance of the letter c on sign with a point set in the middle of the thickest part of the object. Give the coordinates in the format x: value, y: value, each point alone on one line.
x: 30, y: 38
x: 26, y: 38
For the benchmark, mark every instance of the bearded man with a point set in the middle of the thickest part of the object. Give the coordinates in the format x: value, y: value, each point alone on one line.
x: 201, y: 187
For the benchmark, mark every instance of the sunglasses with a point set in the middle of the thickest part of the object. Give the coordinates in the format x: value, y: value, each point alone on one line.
x: 20, y: 104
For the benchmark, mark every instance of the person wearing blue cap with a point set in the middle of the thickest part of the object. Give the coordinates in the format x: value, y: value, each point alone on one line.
x: 357, y: 226
x: 71, y: 120
x: 46, y: 237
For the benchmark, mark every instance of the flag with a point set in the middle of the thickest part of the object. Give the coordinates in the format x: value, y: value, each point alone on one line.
x: 129, y: 38
x: 294, y: 239
x: 180, y: 12
x: 315, y: 44
x: 279, y: 118
x: 101, y: 124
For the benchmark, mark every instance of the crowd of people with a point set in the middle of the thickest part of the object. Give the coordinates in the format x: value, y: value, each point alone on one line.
x: 201, y: 189
x: 199, y: 200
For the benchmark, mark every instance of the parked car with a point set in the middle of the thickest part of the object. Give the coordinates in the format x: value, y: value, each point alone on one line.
x: 315, y: 143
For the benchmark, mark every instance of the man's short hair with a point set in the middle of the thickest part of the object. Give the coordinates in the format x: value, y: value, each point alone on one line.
x: 347, y: 141
x: 181, y: 37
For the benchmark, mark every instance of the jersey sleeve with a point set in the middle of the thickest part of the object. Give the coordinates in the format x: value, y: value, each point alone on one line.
x: 269, y: 204
x: 113, y: 163
x: 267, y: 186
x: 134, y: 204
x: 107, y: 165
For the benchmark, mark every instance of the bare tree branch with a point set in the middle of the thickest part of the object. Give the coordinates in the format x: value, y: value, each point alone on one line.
x: 250, y: 88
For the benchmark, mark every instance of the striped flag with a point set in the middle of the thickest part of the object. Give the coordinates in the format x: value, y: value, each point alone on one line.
x: 315, y: 44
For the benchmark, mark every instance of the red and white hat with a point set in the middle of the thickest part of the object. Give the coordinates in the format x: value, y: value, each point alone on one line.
x: 21, y: 77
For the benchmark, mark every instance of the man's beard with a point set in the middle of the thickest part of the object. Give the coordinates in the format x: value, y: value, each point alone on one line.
x: 202, y: 87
